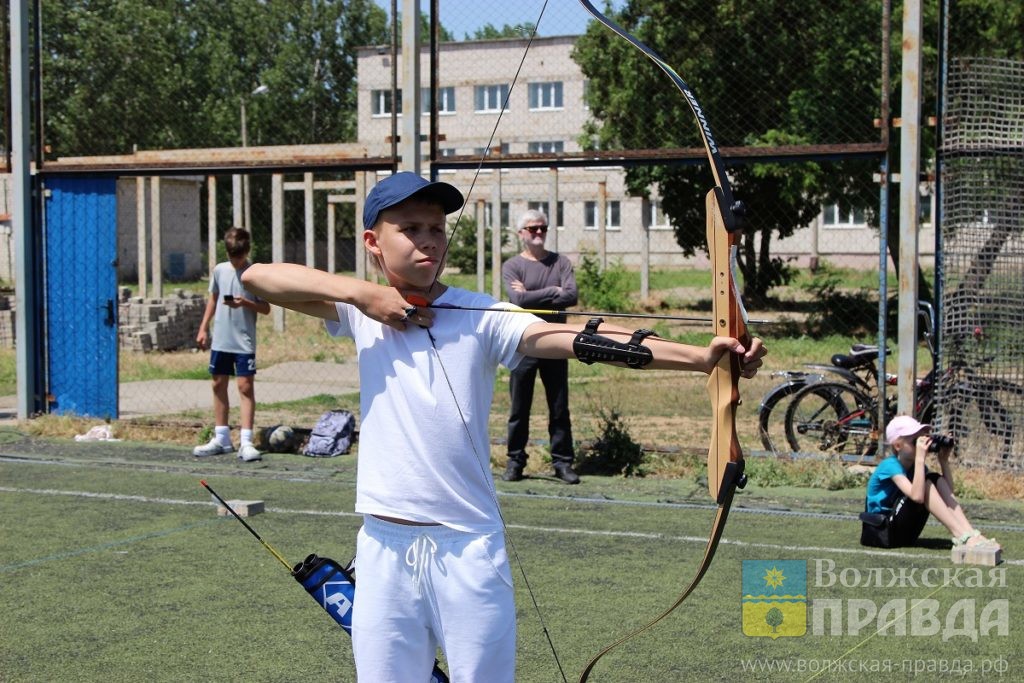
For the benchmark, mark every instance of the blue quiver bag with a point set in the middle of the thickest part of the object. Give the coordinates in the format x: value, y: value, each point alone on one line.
x: 333, y: 434
x: 331, y: 585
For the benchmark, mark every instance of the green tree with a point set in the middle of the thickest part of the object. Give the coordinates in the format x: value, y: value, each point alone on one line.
x: 462, y: 251
x: 774, y: 618
x: 170, y: 73
x: 766, y: 72
x: 490, y: 32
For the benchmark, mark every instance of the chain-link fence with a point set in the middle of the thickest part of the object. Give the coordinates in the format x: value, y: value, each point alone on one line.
x: 279, y: 117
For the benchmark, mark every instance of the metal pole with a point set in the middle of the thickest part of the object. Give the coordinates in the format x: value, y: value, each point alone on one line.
x: 940, y: 103
x: 140, y: 232
x: 602, y: 224
x: 246, y: 212
x: 411, y: 86
x: 277, y: 236
x: 645, y: 248
x: 307, y: 196
x: 156, y: 241
x: 910, y: 167
x: 27, y: 294
x: 553, y: 208
x: 496, y: 235
x: 883, y: 228
x: 481, y: 246
x: 211, y: 223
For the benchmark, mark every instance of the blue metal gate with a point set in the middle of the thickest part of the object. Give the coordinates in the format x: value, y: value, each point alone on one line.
x: 81, y: 296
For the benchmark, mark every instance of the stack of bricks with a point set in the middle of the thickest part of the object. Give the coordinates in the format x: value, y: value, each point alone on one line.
x: 166, y: 324
x: 6, y: 322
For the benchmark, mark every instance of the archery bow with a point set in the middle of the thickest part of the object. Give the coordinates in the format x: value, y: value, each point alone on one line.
x: 725, y: 457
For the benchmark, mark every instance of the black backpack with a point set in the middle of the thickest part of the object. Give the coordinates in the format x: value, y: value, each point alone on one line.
x: 333, y: 434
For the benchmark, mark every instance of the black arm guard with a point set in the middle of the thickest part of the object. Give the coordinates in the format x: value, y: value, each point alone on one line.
x: 591, y: 347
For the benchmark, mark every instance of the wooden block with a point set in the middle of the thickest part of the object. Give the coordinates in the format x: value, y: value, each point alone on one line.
x: 244, y: 508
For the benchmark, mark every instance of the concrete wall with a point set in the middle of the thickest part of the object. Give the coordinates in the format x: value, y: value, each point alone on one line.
x: 179, y: 227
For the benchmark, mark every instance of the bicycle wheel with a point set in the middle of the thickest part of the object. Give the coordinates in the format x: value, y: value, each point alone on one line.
x: 773, y: 432
x: 833, y: 418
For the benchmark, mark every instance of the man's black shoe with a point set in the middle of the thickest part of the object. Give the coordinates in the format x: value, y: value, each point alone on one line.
x: 513, y: 471
x: 565, y: 472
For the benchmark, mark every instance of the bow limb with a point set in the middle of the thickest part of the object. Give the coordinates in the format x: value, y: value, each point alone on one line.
x: 725, y: 457
x: 722, y: 188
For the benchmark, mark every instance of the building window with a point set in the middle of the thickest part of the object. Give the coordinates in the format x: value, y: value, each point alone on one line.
x: 926, y: 210
x: 836, y: 216
x: 545, y: 96
x: 445, y: 100
x: 502, y: 149
x: 446, y: 151
x: 381, y: 102
x: 611, y: 215
x: 656, y: 217
x: 543, y: 206
x: 550, y: 147
x: 488, y: 99
x: 505, y: 213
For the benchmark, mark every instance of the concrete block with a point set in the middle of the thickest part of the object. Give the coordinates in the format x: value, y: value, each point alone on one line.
x: 985, y: 556
x: 244, y: 508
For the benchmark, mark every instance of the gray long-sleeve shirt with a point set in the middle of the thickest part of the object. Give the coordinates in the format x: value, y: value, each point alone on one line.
x: 549, y: 283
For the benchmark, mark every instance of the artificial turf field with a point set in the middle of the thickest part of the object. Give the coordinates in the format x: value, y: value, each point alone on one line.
x: 115, y: 567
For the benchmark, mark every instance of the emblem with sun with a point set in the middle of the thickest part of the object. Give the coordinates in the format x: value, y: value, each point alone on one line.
x: 774, y: 577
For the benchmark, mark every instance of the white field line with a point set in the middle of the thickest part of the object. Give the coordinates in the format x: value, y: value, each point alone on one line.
x: 521, y: 527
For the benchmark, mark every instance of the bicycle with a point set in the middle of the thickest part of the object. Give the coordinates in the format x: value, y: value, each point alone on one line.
x: 834, y: 417
x: 856, y: 368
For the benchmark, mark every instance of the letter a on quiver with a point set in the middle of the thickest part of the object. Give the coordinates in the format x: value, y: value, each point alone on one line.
x: 725, y: 457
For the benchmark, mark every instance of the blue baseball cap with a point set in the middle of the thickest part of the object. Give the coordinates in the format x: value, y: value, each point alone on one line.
x: 396, y: 188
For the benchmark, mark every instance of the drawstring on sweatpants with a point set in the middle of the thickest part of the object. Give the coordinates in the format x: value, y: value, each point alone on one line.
x: 419, y: 556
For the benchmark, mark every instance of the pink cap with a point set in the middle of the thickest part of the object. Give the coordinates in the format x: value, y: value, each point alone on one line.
x: 904, y: 425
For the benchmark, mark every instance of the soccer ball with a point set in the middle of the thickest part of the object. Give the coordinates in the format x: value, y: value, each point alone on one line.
x: 282, y: 439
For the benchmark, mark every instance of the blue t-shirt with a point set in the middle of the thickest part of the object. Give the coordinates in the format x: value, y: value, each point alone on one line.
x: 882, y: 490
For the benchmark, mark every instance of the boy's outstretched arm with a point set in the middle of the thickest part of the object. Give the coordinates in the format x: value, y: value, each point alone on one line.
x: 314, y: 292
x: 555, y: 340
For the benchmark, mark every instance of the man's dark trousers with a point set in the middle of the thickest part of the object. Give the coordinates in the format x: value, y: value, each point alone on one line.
x: 554, y: 373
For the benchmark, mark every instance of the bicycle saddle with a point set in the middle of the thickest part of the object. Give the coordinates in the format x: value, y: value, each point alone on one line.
x: 864, y: 355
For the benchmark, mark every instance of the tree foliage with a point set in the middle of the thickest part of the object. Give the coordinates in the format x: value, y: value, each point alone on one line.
x: 490, y: 32
x: 172, y: 74
x: 824, y: 90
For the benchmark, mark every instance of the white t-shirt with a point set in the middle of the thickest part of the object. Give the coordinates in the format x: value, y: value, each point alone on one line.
x: 416, y: 460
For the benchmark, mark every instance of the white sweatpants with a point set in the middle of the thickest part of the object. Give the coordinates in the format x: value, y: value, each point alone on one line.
x: 420, y: 587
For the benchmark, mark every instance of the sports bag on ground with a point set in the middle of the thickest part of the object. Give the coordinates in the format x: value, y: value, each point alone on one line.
x: 333, y: 434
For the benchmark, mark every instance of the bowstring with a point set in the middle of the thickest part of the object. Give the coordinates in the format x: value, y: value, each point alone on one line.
x: 484, y: 470
x: 493, y: 490
x: 490, y: 140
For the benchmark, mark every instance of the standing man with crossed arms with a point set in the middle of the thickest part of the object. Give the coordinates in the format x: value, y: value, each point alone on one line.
x: 538, y: 278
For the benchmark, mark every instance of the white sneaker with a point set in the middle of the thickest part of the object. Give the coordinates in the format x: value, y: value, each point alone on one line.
x: 213, y: 448
x: 248, y: 453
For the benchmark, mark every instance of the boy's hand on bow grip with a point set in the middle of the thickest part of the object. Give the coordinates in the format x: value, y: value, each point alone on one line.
x: 389, y: 307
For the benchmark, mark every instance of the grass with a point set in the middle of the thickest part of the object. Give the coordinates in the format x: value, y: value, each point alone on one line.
x: 117, y: 569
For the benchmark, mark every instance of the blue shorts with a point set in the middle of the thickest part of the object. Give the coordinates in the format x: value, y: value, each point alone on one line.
x: 228, y: 363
